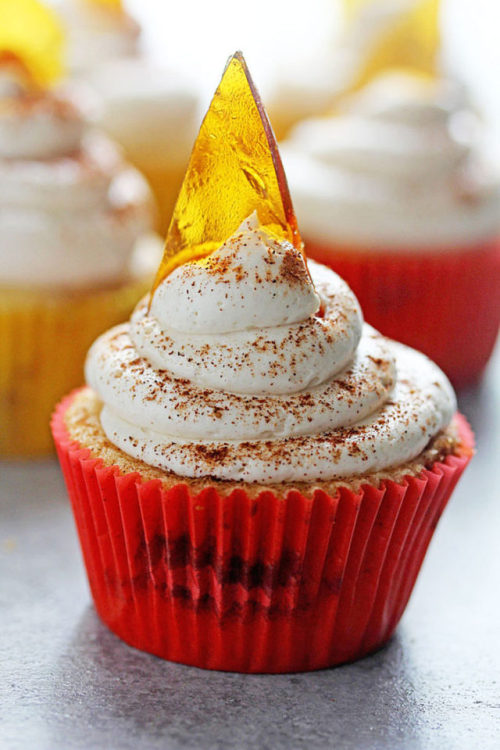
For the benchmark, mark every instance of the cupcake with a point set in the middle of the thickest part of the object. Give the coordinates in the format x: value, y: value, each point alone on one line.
x: 255, y: 473
x: 152, y: 112
x: 74, y: 248
x: 97, y: 32
x: 394, y: 193
x: 371, y: 36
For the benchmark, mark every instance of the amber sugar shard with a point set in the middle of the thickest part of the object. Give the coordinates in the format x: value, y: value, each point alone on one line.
x: 113, y: 5
x: 31, y: 35
x: 410, y: 41
x: 235, y: 169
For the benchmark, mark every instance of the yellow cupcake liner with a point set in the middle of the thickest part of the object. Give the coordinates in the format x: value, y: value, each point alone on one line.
x: 44, y: 338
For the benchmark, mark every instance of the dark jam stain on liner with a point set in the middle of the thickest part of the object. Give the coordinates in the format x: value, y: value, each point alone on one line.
x: 160, y: 554
x: 168, y: 567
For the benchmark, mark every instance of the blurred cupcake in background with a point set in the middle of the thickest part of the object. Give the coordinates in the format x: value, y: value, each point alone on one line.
x: 74, y: 221
x: 371, y: 35
x: 98, y: 31
x: 395, y: 194
x: 151, y: 111
x: 395, y: 191
x: 153, y: 114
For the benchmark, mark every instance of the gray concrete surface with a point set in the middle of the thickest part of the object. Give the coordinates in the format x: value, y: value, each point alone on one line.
x: 67, y: 683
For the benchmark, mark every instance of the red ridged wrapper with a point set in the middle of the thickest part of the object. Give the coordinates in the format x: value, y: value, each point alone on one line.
x: 251, y: 584
x: 444, y: 303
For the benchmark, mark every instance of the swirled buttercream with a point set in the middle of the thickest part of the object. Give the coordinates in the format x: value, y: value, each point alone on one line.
x: 96, y: 34
x: 151, y: 111
x: 399, y: 165
x: 38, y: 127
x: 71, y: 211
x: 248, y: 368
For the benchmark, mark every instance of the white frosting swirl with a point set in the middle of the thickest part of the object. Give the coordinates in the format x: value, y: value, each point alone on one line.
x: 151, y: 111
x: 96, y: 34
x: 244, y: 369
x: 38, y: 127
x: 71, y: 211
x: 311, y: 84
x: 398, y: 166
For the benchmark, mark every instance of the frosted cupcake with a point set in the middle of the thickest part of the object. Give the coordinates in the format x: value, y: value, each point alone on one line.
x: 255, y: 474
x: 97, y: 32
x: 152, y: 112
x: 371, y: 37
x: 73, y: 247
x: 395, y: 194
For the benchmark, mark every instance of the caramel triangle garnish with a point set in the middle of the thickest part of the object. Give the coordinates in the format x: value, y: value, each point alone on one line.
x: 113, y: 5
x: 235, y: 169
x: 31, y: 36
x: 410, y: 41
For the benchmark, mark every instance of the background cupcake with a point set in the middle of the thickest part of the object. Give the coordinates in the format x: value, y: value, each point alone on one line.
x: 369, y: 37
x: 255, y: 474
x: 154, y: 114
x: 73, y: 223
x: 396, y: 194
x: 151, y: 111
x: 98, y: 31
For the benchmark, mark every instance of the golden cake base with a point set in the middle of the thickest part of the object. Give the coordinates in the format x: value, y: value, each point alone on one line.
x: 83, y: 423
x: 44, y: 338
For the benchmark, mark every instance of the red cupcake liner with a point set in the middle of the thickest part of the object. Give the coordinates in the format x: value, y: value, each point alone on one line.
x: 446, y: 303
x: 252, y: 584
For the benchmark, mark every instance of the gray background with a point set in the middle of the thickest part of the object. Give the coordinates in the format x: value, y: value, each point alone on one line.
x: 66, y: 682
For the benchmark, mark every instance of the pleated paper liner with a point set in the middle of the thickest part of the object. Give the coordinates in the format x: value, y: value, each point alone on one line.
x: 44, y: 338
x: 252, y: 584
x: 444, y: 303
